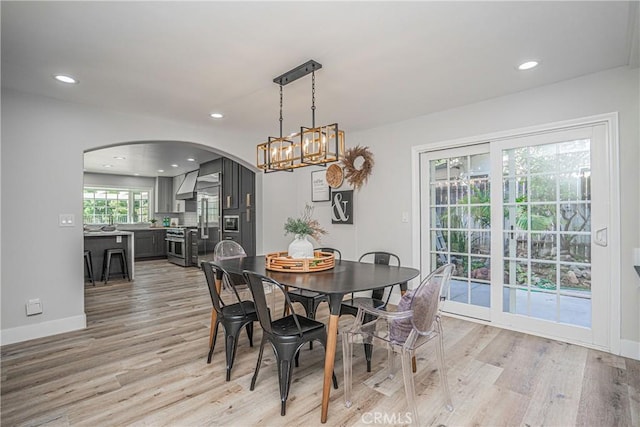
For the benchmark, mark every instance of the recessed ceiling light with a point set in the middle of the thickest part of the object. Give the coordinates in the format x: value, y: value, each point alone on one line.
x: 136, y: 174
x: 174, y: 165
x: 216, y: 115
x: 65, y: 79
x: 107, y: 166
x: 527, y: 65
x: 119, y: 157
x: 191, y: 159
x: 160, y: 170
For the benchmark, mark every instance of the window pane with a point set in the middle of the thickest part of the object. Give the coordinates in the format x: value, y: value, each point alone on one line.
x: 103, y: 206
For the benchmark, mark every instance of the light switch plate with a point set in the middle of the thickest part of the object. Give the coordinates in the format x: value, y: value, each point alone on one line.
x: 34, y: 306
x: 67, y: 220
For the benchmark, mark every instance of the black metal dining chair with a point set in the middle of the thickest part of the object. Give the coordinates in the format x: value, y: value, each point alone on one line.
x: 378, y: 299
x: 233, y: 316
x: 286, y: 335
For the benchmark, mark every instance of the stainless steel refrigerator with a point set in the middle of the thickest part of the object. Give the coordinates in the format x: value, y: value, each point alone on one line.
x: 209, y: 215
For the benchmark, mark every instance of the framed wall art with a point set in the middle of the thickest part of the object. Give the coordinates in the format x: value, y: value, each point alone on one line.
x: 319, y: 187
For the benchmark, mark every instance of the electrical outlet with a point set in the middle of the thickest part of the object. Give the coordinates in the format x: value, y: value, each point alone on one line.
x: 118, y: 239
x: 405, y: 216
x: 67, y: 220
x: 34, y: 306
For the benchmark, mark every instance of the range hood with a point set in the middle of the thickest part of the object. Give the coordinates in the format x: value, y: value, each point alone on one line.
x: 188, y: 187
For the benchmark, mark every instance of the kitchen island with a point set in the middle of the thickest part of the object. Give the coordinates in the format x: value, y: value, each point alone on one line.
x: 98, y: 241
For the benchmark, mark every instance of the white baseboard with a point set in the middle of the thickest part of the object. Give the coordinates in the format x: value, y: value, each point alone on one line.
x: 630, y: 349
x: 44, y: 329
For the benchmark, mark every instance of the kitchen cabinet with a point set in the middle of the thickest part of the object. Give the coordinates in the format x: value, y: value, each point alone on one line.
x: 247, y: 189
x: 247, y: 209
x: 150, y: 244
x: 178, y: 205
x: 164, y: 194
x: 237, y: 199
x: 230, y: 184
x: 248, y: 232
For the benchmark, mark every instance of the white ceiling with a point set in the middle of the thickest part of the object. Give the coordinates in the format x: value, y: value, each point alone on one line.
x: 382, y: 61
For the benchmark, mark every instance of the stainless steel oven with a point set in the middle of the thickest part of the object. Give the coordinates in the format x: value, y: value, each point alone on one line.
x: 231, y: 223
x: 179, y: 246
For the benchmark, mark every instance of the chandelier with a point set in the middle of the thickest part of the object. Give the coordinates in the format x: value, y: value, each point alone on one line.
x: 312, y: 145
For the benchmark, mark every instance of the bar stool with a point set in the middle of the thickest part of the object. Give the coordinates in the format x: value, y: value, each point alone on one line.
x: 88, y: 262
x: 108, y: 254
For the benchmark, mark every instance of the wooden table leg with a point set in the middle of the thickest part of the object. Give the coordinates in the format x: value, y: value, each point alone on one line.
x: 329, y: 359
x: 214, y: 315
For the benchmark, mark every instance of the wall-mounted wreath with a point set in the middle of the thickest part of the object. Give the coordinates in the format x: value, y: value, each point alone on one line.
x: 357, y: 162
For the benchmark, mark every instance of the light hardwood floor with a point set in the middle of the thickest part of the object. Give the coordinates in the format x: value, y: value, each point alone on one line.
x: 142, y: 361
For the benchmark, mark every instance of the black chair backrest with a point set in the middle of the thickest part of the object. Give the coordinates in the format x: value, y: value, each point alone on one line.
x: 212, y: 270
x: 380, y: 257
x: 256, y: 284
x: 334, y: 251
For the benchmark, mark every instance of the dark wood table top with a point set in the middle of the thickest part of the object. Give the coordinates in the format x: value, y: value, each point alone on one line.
x: 344, y: 278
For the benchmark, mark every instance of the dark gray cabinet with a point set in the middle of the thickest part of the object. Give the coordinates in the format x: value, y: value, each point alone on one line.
x: 247, y: 212
x: 237, y: 199
x: 150, y: 243
x: 230, y: 184
x: 164, y: 194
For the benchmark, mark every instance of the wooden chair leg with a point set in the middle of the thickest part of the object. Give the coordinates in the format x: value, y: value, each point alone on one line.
x: 214, y: 317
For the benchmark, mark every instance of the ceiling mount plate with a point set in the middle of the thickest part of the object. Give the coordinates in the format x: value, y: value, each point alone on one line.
x: 300, y: 71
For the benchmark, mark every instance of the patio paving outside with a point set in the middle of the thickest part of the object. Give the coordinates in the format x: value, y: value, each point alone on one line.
x: 575, y: 311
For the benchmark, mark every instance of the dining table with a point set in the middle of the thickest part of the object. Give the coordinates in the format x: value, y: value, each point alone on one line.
x: 344, y: 278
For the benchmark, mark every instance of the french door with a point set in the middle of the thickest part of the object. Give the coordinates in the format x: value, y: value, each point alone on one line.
x: 525, y: 221
x: 456, y: 205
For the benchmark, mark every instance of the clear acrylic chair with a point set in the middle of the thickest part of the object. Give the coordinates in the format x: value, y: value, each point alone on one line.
x: 229, y: 249
x: 416, y: 322
x: 378, y: 298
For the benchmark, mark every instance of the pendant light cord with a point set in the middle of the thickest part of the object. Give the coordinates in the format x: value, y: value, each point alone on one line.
x: 313, y: 100
x: 280, y: 111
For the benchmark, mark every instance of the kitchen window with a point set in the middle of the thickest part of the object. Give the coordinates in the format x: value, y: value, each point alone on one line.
x: 115, y: 206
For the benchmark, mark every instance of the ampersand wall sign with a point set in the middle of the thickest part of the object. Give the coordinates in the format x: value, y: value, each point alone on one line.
x: 357, y: 162
x: 342, y: 207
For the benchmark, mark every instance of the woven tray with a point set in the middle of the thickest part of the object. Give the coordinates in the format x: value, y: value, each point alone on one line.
x: 281, y: 261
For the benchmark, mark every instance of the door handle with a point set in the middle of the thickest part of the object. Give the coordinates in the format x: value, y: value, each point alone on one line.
x: 248, y: 200
x: 203, y: 213
x: 248, y: 214
x: 601, y: 238
x: 228, y: 202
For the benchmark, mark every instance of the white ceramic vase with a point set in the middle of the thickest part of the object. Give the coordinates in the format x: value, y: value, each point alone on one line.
x: 301, y: 247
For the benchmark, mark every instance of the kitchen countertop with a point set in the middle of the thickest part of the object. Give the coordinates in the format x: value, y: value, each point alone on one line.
x: 108, y: 233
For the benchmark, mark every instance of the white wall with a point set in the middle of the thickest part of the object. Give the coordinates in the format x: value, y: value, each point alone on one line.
x: 40, y: 259
x: 43, y: 142
x: 379, y: 204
